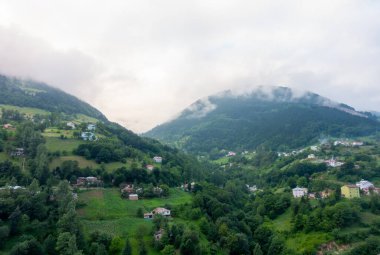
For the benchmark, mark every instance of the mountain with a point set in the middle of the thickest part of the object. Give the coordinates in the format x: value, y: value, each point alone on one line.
x: 276, y: 117
x: 26, y: 105
x: 27, y: 93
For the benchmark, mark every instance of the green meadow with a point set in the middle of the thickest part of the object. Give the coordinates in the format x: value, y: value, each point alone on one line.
x: 58, y: 144
x: 104, y: 210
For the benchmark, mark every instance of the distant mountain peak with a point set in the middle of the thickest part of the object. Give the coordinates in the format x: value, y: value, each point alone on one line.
x: 279, y: 94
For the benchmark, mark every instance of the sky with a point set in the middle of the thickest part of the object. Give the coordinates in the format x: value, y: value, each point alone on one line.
x: 141, y: 62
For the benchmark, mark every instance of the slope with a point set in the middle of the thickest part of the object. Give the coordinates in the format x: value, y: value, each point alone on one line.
x: 275, y: 118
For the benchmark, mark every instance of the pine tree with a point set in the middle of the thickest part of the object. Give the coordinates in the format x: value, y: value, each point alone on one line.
x: 127, y: 247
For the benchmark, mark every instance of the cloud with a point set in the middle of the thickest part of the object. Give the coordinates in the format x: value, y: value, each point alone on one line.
x: 142, y: 62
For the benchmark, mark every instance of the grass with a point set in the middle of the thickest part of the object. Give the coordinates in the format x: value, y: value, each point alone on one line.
x: 282, y: 222
x: 107, y: 212
x: 83, y: 163
x: 302, y: 243
x: 26, y: 110
x: 55, y: 132
x: 79, y: 118
x: 57, y: 144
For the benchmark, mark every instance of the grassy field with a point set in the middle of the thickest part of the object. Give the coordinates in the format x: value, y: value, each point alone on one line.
x: 301, y: 242
x: 83, y: 163
x: 106, y: 211
x: 79, y: 118
x: 55, y: 132
x: 26, y: 110
x: 57, y: 144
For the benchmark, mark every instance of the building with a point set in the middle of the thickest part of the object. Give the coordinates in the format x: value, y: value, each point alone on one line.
x: 311, y: 157
x: 326, y: 193
x: 18, y: 152
x: 350, y: 191
x: 128, y: 188
x: 150, y: 167
x: 252, y: 188
x: 158, y: 234
x: 162, y: 211
x: 365, y: 185
x: 88, y: 136
x: 159, y: 210
x: 133, y: 197
x: 314, y: 148
x: 333, y: 163
x: 357, y: 143
x: 299, y: 192
x: 91, y: 127
x: 7, y: 126
x: 231, y: 154
x: 157, y: 159
x: 70, y: 125
x: 88, y: 181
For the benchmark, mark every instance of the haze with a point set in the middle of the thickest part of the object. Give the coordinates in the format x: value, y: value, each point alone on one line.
x: 141, y: 62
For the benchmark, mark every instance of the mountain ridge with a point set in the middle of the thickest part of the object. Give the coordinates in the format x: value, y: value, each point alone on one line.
x: 262, y: 114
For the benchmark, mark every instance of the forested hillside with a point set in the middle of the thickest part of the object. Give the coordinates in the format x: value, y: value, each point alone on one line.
x: 278, y: 121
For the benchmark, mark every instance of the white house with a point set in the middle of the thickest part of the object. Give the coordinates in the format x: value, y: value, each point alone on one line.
x: 357, y: 143
x: 365, y: 185
x: 162, y: 211
x: 70, y: 125
x: 333, y: 163
x: 311, y: 156
x: 314, y: 148
x: 157, y: 159
x: 299, y: 192
x: 88, y: 136
x: 252, y: 188
x: 91, y: 127
x: 133, y: 197
x: 159, y: 210
x: 231, y: 154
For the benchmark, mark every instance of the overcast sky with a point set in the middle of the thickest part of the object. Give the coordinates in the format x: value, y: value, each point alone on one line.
x: 141, y: 62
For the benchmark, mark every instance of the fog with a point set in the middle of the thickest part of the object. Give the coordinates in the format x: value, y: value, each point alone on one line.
x: 142, y: 62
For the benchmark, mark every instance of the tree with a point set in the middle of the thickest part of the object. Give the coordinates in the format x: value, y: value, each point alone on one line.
x: 190, y: 243
x: 140, y: 213
x: 127, y: 247
x: 14, y: 220
x: 49, y: 245
x: 257, y: 250
x: 66, y: 244
x: 28, y: 247
x: 4, y: 233
x: 238, y: 244
x: 116, y: 246
x: 168, y: 250
x: 276, y: 246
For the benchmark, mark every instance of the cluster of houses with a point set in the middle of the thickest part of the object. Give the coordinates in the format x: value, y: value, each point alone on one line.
x: 89, y: 181
x: 131, y: 192
x: 303, y: 192
x: 9, y: 187
x: 158, y: 211
x: 347, y: 143
x: 348, y: 191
